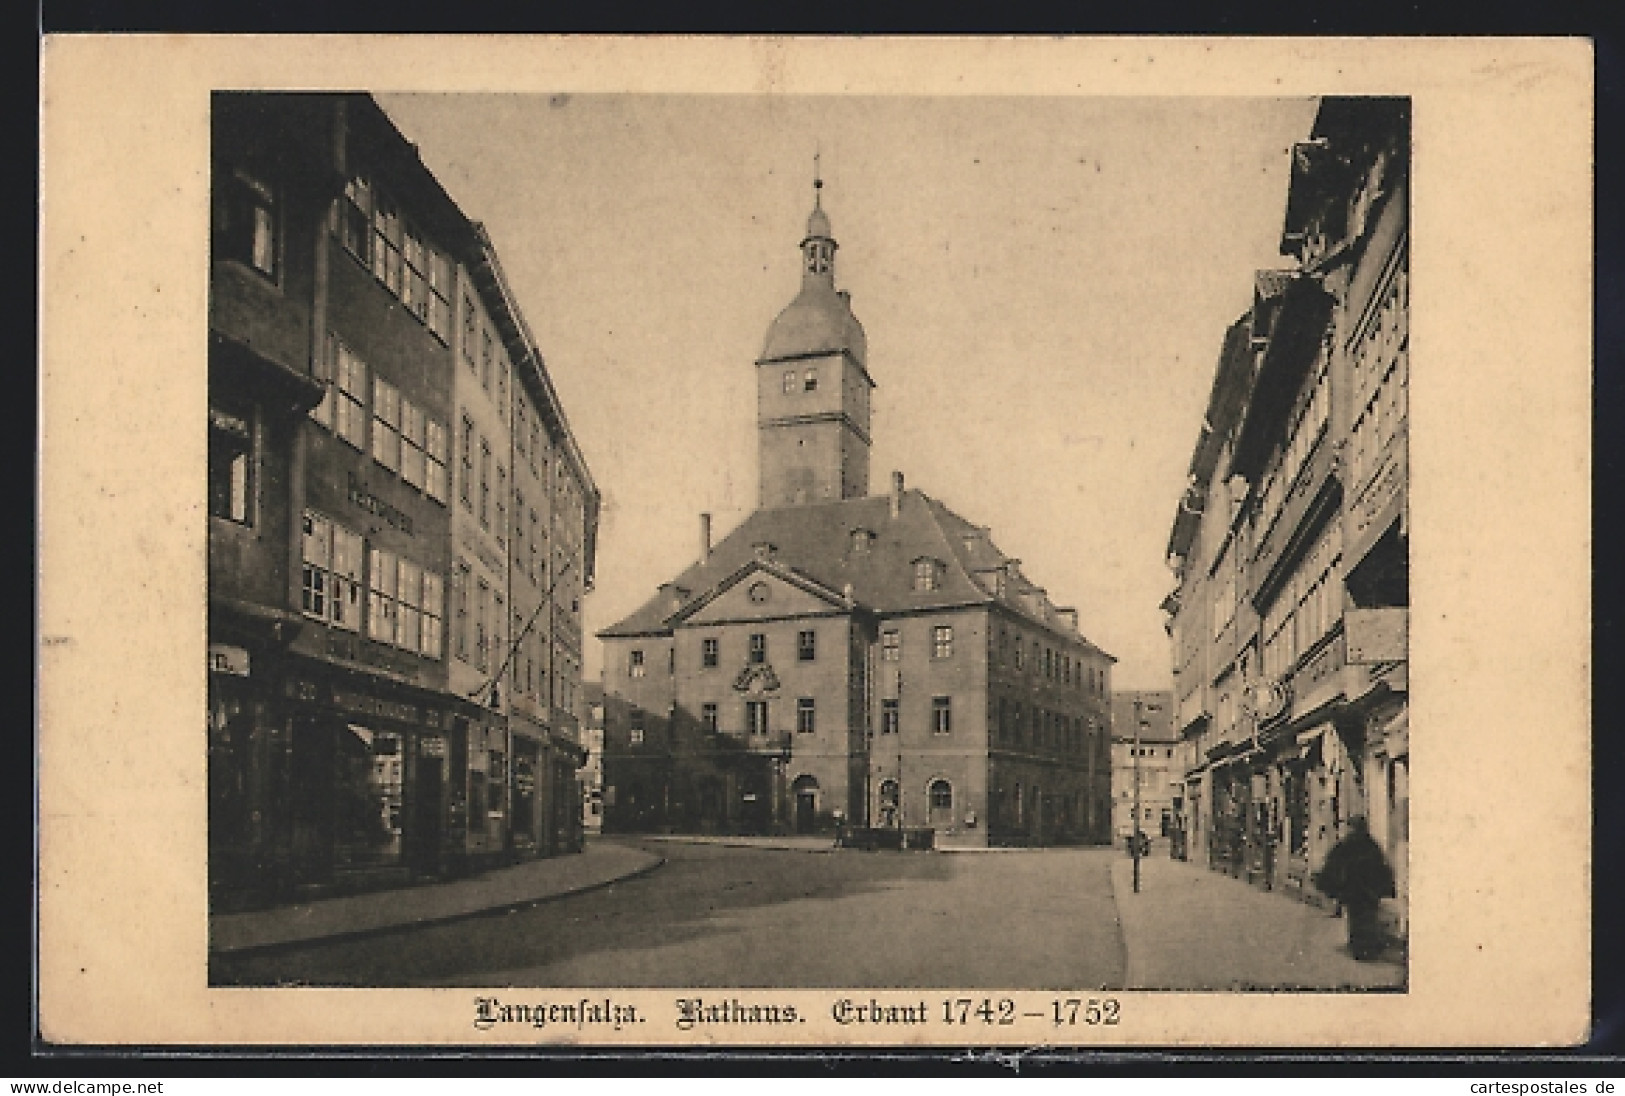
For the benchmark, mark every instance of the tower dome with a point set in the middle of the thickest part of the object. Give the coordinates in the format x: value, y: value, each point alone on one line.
x: 819, y: 320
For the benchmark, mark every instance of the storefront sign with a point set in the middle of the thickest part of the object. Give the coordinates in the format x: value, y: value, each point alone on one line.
x: 1376, y: 635
x: 372, y: 504
x: 372, y: 705
x: 226, y: 659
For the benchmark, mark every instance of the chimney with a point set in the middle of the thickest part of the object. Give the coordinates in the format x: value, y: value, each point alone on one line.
x: 896, y: 493
x: 705, y: 538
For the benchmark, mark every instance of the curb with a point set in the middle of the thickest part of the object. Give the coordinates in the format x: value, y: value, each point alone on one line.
x: 742, y: 845
x: 280, y: 946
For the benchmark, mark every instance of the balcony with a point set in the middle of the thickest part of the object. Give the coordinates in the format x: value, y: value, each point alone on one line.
x: 770, y: 743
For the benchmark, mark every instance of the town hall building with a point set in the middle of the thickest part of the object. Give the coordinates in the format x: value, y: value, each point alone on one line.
x: 848, y: 658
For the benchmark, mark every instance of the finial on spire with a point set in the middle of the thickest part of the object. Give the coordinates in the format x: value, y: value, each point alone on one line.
x: 818, y: 179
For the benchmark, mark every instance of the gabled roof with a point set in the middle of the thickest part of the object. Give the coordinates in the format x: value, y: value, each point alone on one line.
x: 814, y: 543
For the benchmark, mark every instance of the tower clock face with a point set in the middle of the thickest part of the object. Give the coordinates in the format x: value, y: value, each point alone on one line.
x: 759, y: 592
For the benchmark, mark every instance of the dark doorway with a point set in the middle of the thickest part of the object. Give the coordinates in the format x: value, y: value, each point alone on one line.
x: 806, y: 790
x: 427, y: 793
x: 311, y: 800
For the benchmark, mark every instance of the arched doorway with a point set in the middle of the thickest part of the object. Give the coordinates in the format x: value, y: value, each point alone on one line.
x: 805, y: 790
x: 888, y: 813
x: 940, y: 795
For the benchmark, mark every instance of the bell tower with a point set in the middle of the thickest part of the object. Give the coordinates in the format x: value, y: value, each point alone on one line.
x: 813, y: 385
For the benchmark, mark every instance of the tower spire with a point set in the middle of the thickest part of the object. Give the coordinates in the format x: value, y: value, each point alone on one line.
x: 818, y: 180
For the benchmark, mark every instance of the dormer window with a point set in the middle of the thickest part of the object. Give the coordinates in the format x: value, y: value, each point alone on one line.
x: 789, y: 381
x: 927, y: 574
x: 861, y: 540
x: 809, y: 383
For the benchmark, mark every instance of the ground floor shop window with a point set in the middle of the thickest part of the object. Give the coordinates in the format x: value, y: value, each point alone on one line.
x: 369, y: 784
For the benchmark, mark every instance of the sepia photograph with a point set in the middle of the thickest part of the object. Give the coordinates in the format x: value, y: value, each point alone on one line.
x: 1107, y: 582
x: 910, y: 564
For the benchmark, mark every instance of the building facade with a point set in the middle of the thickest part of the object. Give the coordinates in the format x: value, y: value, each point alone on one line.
x: 1289, y: 620
x: 847, y: 658
x: 592, y: 770
x: 349, y: 742
x: 1145, y: 768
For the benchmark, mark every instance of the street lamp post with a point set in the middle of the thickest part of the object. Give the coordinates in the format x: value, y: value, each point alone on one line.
x: 1134, y: 835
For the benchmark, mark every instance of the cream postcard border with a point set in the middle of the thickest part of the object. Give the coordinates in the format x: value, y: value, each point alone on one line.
x: 1500, y: 412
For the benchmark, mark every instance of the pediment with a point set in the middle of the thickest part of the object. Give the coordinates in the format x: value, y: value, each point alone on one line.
x: 761, y: 591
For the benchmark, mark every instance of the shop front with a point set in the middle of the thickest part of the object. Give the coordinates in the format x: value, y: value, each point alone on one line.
x: 527, y: 791
x: 376, y: 773
x: 248, y: 733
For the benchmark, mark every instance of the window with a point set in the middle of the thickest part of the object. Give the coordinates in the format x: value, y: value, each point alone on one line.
x: 408, y: 615
x: 466, y: 456
x: 245, y: 228
x: 471, y: 333
x: 459, y: 596
x: 482, y: 642
x: 756, y: 717
x: 519, y: 531
x: 671, y: 659
x: 708, y: 718
x: 483, y: 509
x: 330, y: 575
x: 925, y: 574
x: 382, y: 606
x: 806, y: 715
x: 343, y: 408
x: 502, y: 389
x: 810, y: 381
x: 637, y: 729
x: 634, y: 664
x: 942, y: 795
x: 806, y: 646
x: 355, y: 220
x: 415, y: 276
x: 413, y: 443
x: 942, y: 641
x: 537, y: 465
x: 942, y: 714
x: 432, y: 610
x: 710, y: 652
x: 535, y: 546
x: 487, y: 353
x: 861, y: 540
x: 891, y: 645
x: 888, y: 717
x: 386, y: 424
x: 789, y: 381
x: 499, y: 649
x: 502, y: 506
x: 231, y: 465
x: 386, y: 243
x: 758, y: 649
x: 1017, y: 727
x: 440, y: 279
x: 1020, y: 658
x: 1049, y: 663
x: 434, y: 459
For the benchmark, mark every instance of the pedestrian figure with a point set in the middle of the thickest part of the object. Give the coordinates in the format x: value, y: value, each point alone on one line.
x: 1357, y: 875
